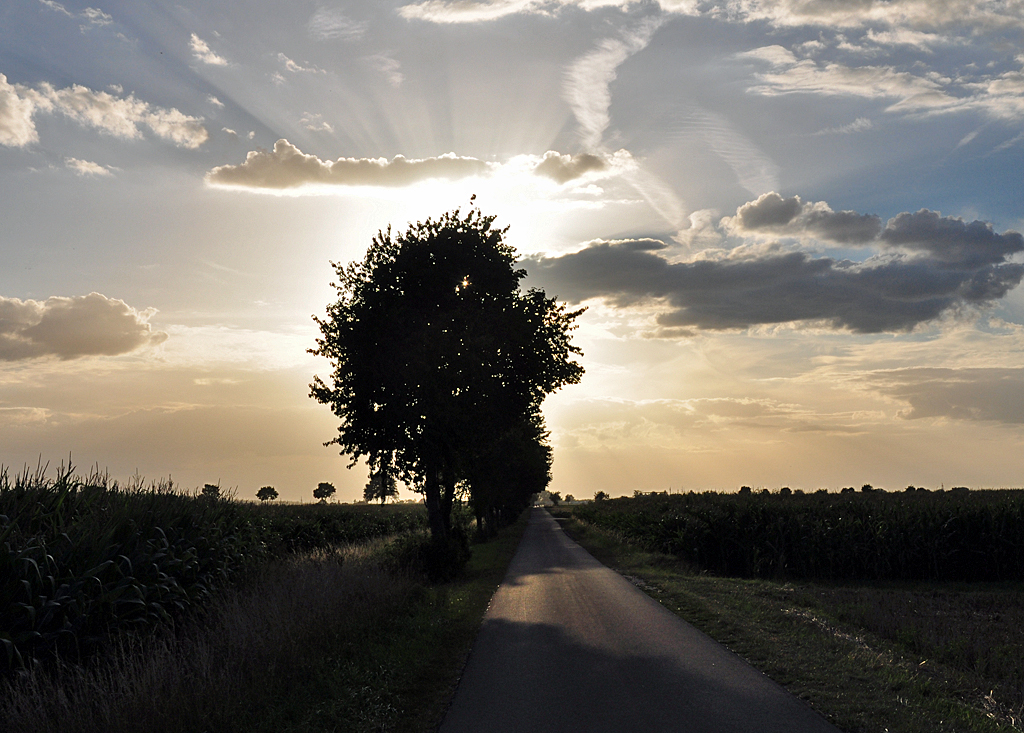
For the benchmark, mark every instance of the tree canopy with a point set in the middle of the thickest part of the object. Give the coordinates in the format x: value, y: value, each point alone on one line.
x: 440, y: 363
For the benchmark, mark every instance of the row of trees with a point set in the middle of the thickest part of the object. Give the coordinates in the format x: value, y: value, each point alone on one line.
x: 440, y: 363
x: 379, y: 488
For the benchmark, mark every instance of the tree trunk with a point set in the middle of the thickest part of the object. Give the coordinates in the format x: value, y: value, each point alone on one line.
x: 435, y: 512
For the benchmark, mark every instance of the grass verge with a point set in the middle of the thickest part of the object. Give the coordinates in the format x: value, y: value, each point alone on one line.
x: 860, y: 665
x: 325, y: 641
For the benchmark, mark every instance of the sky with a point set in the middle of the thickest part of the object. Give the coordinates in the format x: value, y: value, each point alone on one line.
x: 794, y: 224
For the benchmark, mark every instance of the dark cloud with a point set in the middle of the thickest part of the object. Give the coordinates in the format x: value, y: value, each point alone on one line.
x: 885, y: 293
x: 985, y: 394
x: 843, y: 227
x: 768, y: 210
x: 774, y: 214
x: 564, y: 168
x: 288, y: 167
x: 72, y: 327
x: 951, y: 241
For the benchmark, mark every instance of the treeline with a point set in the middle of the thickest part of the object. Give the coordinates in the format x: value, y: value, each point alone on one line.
x: 870, y: 535
x: 83, y: 556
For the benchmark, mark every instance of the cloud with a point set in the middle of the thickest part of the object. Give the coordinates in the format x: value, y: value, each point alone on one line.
x: 297, y: 68
x: 57, y: 7
x: 858, y: 125
x: 467, y: 11
x: 95, y: 16
x: 588, y: 78
x: 118, y: 116
x: 214, y: 101
x: 754, y: 170
x: 17, y: 106
x: 564, y: 168
x: 977, y: 394
x: 202, y: 52
x: 328, y: 24
x: 316, y: 123
x: 951, y: 241
x: 774, y: 215
x: 926, y: 266
x: 388, y: 66
x: 86, y: 167
x: 288, y: 167
x: 69, y: 328
x: 999, y: 95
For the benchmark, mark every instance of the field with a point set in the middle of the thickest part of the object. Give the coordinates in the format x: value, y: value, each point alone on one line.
x: 140, y: 608
x: 81, y: 556
x: 955, y: 535
x: 935, y: 650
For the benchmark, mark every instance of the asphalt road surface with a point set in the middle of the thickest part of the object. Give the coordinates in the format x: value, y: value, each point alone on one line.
x: 570, y: 645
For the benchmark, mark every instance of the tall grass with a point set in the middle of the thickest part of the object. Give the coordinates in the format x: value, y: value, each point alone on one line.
x: 82, y: 556
x: 237, y: 669
x: 958, y: 536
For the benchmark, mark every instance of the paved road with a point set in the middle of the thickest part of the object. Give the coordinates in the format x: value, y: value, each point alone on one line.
x: 569, y: 645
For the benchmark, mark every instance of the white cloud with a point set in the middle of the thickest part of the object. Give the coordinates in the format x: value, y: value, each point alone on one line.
x: 95, y: 16
x: 297, y: 68
x: 69, y: 328
x: 389, y: 66
x: 17, y: 105
x: 202, y: 52
x: 86, y: 167
x: 587, y: 79
x: 288, y: 167
x: 214, y: 101
x: 463, y: 11
x: 316, y: 123
x: 1000, y: 96
x: 858, y: 125
x: 119, y: 116
x: 57, y: 7
x: 329, y: 24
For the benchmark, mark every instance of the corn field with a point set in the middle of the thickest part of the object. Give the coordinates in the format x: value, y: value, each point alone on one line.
x: 82, y: 557
x: 950, y: 536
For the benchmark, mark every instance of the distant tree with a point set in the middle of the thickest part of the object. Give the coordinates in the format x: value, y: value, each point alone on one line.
x: 910, y: 488
x: 867, y: 488
x: 212, y: 491
x: 267, y: 493
x: 381, y: 487
x: 323, y: 491
x: 600, y: 496
x: 746, y: 490
x: 555, y: 497
x: 570, y: 497
x: 437, y: 355
x: 785, y: 491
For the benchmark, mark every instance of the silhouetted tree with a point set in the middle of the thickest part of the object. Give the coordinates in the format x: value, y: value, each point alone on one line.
x: 437, y: 354
x: 211, y: 490
x: 600, y: 496
x: 267, y: 493
x: 323, y: 491
x: 381, y: 487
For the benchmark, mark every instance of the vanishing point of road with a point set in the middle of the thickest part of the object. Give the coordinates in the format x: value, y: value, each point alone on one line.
x: 569, y: 645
